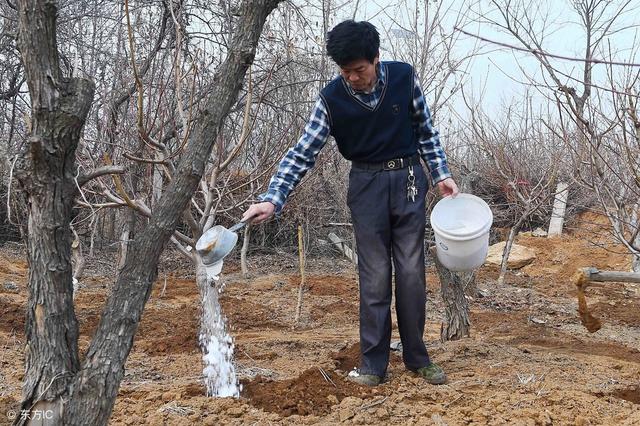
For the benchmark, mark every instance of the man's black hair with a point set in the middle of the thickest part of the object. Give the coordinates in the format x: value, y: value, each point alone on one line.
x: 350, y: 41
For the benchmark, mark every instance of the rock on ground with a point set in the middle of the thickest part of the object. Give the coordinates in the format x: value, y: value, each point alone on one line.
x: 520, y: 255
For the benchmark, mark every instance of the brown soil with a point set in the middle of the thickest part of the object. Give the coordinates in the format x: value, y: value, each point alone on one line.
x: 529, y: 360
x: 169, y: 330
x: 326, y: 285
x: 310, y: 393
x: 339, y: 310
x: 631, y: 394
x: 10, y: 266
x: 347, y: 358
x: 243, y: 314
x: 618, y: 312
x: 12, y: 315
x: 560, y: 257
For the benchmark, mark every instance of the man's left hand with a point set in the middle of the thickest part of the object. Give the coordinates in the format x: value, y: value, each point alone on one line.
x: 448, y: 187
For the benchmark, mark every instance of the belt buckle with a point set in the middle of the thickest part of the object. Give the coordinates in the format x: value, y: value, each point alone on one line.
x: 393, y: 164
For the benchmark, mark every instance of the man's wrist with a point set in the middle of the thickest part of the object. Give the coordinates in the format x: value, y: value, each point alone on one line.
x: 440, y: 174
x: 274, y: 198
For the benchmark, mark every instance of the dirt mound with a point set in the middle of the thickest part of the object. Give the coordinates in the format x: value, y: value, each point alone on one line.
x: 347, y: 358
x: 587, y: 242
x: 310, y: 393
x: 590, y: 225
x: 561, y: 257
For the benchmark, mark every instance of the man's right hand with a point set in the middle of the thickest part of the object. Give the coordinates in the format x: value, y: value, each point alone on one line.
x: 259, y: 212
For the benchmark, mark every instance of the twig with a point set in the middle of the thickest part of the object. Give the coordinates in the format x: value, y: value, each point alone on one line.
x: 326, y: 377
x: 451, y: 402
x: 301, y: 288
x: 174, y: 408
x: 13, y: 164
x: 374, y: 403
x: 164, y: 286
x: 247, y: 355
x: 543, y: 53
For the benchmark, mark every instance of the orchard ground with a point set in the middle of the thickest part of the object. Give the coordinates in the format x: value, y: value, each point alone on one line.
x: 528, y: 361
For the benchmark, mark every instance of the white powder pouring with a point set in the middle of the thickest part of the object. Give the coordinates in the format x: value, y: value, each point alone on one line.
x: 217, y: 344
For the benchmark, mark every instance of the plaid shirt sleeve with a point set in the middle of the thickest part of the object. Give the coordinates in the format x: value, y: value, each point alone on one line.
x: 429, y: 139
x: 300, y: 158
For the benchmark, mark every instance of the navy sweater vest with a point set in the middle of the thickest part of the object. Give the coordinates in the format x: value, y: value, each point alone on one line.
x: 377, y: 134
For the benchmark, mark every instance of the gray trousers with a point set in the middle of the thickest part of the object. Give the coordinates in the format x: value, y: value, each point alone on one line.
x: 388, y: 226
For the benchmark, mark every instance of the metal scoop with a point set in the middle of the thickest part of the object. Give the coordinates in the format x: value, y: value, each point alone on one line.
x: 217, y: 242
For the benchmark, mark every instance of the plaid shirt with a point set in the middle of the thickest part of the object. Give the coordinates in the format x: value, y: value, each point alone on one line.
x: 302, y: 156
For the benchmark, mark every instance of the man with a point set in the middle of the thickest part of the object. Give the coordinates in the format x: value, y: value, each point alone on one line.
x: 377, y: 114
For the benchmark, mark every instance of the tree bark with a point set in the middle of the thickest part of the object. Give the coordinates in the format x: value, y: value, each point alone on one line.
x: 81, y: 394
x: 456, y: 323
x: 46, y: 172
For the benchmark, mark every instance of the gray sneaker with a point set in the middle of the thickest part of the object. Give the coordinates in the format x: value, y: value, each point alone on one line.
x: 433, y: 374
x: 363, y: 379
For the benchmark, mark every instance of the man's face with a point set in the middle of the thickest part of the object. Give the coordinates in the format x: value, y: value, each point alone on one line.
x: 360, y: 74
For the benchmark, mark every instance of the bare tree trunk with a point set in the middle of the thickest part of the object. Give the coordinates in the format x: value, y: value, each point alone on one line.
x: 456, y: 323
x: 84, y: 394
x: 46, y: 172
x: 454, y: 288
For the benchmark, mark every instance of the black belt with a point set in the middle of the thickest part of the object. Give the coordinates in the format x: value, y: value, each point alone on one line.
x: 392, y: 164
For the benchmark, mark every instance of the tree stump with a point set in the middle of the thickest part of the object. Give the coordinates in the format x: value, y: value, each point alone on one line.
x: 456, y: 323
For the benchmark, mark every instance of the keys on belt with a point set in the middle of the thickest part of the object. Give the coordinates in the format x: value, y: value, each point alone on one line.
x: 412, y: 191
x: 397, y: 164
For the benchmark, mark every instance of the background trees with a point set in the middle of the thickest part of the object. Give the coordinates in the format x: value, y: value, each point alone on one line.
x: 595, y: 116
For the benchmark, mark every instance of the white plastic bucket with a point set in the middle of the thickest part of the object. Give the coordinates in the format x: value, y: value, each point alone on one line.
x: 461, y: 227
